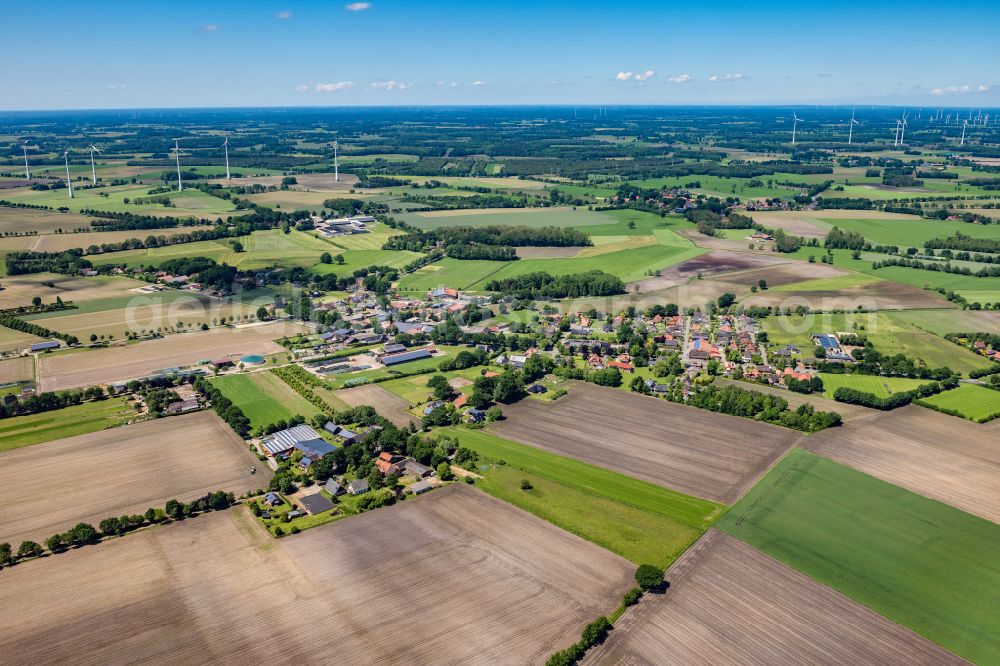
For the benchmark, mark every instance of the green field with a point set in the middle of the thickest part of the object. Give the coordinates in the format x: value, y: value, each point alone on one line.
x: 641, y: 522
x: 79, y: 419
x: 976, y: 403
x: 889, y: 331
x: 186, y: 204
x: 264, y: 398
x: 923, y: 564
x: 420, y: 365
x: 880, y: 386
x: 912, y: 233
x: 414, y: 389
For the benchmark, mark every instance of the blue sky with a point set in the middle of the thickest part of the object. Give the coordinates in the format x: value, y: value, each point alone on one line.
x: 389, y: 52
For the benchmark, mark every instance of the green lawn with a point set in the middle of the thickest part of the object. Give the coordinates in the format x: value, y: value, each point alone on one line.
x: 641, y: 522
x: 976, y: 403
x: 880, y: 386
x: 263, y: 397
x: 923, y: 564
x: 186, y: 204
x: 692, y: 511
x: 19, y: 431
x: 912, y: 233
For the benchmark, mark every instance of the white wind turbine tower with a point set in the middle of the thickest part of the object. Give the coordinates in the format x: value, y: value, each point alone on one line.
x: 965, y: 123
x: 896, y: 140
x: 27, y: 172
x: 69, y: 183
x: 336, y: 165
x: 795, y: 123
x: 176, y: 150
x: 902, y: 131
x: 225, y: 144
x: 850, y: 131
x: 93, y: 169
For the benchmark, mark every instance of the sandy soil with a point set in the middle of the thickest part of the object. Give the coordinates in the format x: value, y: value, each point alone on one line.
x: 698, y: 452
x: 386, y: 403
x: 885, y: 295
x: 119, y: 471
x: 727, y: 266
x: 452, y: 577
x: 731, y: 604
x: 939, y: 456
x: 85, y: 368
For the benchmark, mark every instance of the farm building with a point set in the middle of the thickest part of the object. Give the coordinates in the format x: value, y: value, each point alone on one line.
x: 347, y: 436
x: 290, y: 438
x: 315, y: 503
x: 45, y: 346
x: 407, y: 356
x: 418, y: 470
x: 419, y: 487
x: 332, y: 487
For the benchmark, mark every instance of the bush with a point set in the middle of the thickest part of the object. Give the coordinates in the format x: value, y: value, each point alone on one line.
x: 632, y: 597
x: 526, y: 485
x: 649, y: 577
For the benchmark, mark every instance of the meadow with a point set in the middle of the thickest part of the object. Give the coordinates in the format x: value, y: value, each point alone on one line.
x: 525, y: 217
x: 918, y: 562
x: 641, y: 522
x: 264, y: 398
x: 976, y: 403
x: 18, y: 431
x: 880, y: 386
x: 889, y: 331
x: 911, y: 233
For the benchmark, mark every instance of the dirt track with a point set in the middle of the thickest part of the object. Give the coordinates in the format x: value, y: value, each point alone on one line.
x: 730, y: 604
x: 48, y: 488
x: 939, y: 456
x: 85, y: 368
x: 695, y: 451
x: 453, y: 577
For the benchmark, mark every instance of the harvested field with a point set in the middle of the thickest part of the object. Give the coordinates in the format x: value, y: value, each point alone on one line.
x: 716, y: 261
x: 847, y: 411
x: 120, y: 471
x: 883, y: 295
x: 730, y: 604
x: 16, y: 220
x: 454, y: 577
x: 386, y: 403
x: 932, y: 454
x: 11, y: 339
x: 701, y: 453
x: 18, y: 290
x: 20, y: 369
x: 85, y: 368
x: 61, y: 242
x: 785, y: 273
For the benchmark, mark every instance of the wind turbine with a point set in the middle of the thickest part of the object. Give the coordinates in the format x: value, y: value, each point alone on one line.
x: 795, y: 123
x: 69, y: 183
x: 27, y: 172
x: 902, y: 133
x: 896, y: 140
x: 336, y: 165
x: 850, y: 132
x: 225, y: 144
x: 176, y: 150
x: 965, y: 123
x: 93, y: 169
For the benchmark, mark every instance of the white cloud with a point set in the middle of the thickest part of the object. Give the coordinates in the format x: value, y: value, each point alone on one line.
x: 283, y: 15
x: 680, y: 78
x: 645, y: 76
x: 358, y: 6
x: 958, y: 90
x: 726, y: 77
x: 624, y: 76
x: 210, y: 27
x: 391, y: 85
x: 478, y: 83
x: 453, y: 84
x: 302, y: 87
x: 334, y: 87
x: 117, y: 86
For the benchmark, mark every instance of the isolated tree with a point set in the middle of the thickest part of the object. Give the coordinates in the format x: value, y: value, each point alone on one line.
x: 444, y: 472
x: 649, y: 577
x: 526, y: 485
x: 509, y: 387
x: 6, y: 555
x: 55, y: 543
x: 326, y: 258
x: 36, y: 301
x: 439, y: 384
